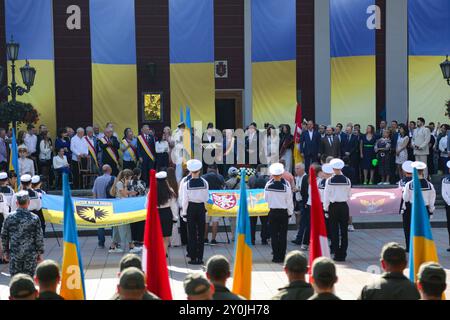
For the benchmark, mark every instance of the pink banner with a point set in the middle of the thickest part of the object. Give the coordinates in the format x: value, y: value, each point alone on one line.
x: 370, y: 202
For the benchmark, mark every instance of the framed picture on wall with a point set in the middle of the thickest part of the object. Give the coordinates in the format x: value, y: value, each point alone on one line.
x: 152, y: 108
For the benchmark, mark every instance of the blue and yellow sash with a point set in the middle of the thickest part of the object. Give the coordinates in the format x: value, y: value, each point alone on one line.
x: 131, y: 149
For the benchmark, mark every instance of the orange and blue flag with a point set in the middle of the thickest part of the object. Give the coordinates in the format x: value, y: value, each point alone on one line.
x: 72, y: 275
x: 242, y: 273
x: 422, y: 247
x: 14, y: 157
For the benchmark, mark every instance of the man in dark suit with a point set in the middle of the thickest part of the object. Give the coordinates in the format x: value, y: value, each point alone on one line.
x: 110, y: 150
x: 146, y: 151
x: 350, y: 148
x: 309, y: 145
x: 330, y: 145
x: 252, y: 146
x: 383, y: 126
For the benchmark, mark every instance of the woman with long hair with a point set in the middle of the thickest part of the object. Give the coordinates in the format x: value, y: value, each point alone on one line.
x: 286, y: 146
x: 167, y: 206
x: 128, y: 146
x: 122, y: 234
x: 162, y: 152
x: 401, y: 151
x: 367, y: 150
x: 45, y: 155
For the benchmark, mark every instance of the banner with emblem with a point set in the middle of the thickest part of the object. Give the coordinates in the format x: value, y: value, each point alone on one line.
x: 225, y: 203
x: 373, y: 201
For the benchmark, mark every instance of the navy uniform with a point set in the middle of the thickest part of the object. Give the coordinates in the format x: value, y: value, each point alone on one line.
x: 36, y: 186
x: 446, y: 196
x: 278, y: 195
x: 35, y: 199
x: 328, y: 170
x: 427, y: 188
x: 6, y: 193
x: 406, y: 213
x: 194, y: 195
x: 22, y: 239
x: 335, y: 197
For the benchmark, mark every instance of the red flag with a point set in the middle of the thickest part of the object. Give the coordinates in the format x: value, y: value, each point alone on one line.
x: 154, y: 261
x: 298, y: 123
x: 318, y: 245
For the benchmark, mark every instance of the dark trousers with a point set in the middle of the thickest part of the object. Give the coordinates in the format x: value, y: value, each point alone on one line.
x: 308, y: 160
x: 137, y: 231
x: 447, y: 211
x: 101, y: 236
x: 406, y: 219
x: 278, y: 219
x: 183, y: 231
x: 75, y: 173
x: 265, y: 234
x: 304, y: 227
x: 196, y: 230
x: 339, y: 215
x: 146, y: 166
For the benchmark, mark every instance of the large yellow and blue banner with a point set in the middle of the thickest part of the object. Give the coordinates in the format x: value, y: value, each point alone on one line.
x: 353, y: 64
x: 191, y: 43
x: 274, y: 61
x: 30, y: 23
x: 114, y: 73
x: 429, y: 43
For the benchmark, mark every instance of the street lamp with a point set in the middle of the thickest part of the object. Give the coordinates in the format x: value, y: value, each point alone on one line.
x: 445, y: 67
x: 28, y: 74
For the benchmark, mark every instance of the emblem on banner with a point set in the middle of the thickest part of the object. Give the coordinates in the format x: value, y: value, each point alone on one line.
x: 93, y: 211
x: 372, y: 206
x: 224, y: 201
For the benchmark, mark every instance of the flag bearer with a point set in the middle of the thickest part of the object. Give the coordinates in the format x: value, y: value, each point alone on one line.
x: 194, y: 195
x: 406, y: 214
x: 278, y: 195
x: 336, y: 194
x: 446, y: 196
x: 428, y: 193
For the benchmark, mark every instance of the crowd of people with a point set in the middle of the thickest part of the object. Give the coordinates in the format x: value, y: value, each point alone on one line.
x: 211, y: 285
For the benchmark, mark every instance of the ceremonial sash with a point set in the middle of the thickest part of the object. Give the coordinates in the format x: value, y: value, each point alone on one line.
x: 146, y: 147
x: 130, y: 149
x: 91, y: 150
x: 110, y: 151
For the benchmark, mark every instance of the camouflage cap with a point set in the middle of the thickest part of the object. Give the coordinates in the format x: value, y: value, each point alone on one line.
x: 132, y: 279
x: 195, y: 284
x: 393, y: 253
x: 296, y: 261
x: 323, y: 269
x: 130, y: 260
x: 21, y: 286
x: 431, y: 272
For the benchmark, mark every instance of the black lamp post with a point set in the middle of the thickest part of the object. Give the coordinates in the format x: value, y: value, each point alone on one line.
x: 445, y: 67
x: 28, y: 74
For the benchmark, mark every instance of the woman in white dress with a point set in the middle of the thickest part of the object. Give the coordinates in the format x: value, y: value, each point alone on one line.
x: 401, y: 152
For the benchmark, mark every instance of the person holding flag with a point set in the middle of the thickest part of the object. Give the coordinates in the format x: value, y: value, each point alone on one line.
x: 72, y: 273
x: 242, y: 282
x: 297, y: 134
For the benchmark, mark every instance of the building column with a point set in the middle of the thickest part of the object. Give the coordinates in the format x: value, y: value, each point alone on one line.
x: 322, y: 65
x: 248, y: 86
x: 397, y: 60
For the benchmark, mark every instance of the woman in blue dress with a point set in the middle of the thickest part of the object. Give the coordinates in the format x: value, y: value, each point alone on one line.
x: 63, y: 141
x: 367, y: 148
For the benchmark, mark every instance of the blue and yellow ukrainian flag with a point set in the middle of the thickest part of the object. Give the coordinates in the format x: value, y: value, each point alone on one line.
x: 422, y: 248
x: 30, y: 23
x: 274, y: 61
x: 14, y: 158
x: 428, y: 21
x: 242, y: 274
x: 72, y: 274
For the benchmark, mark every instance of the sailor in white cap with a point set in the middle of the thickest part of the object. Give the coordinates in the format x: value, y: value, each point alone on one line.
x: 406, y: 213
x: 6, y: 194
x: 194, y: 195
x: 278, y: 195
x: 338, y: 190
x: 36, y: 186
x: 35, y: 200
x: 445, y: 189
x: 428, y: 193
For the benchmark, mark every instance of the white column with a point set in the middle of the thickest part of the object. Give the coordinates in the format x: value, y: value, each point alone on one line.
x: 322, y: 66
x: 397, y: 60
x: 248, y: 92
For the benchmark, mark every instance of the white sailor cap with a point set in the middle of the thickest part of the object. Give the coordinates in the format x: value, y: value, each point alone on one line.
x: 22, y: 195
x: 194, y: 165
x: 327, y: 168
x: 35, y: 179
x: 161, y: 175
x: 181, y: 124
x: 448, y: 166
x: 276, y: 169
x: 406, y: 166
x: 419, y: 165
x: 3, y: 175
x: 337, y: 164
x: 25, y: 178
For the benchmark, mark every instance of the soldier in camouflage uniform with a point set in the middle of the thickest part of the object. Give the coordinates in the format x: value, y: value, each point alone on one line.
x: 22, y: 238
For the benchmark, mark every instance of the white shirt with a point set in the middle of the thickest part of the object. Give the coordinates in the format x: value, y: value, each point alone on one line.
x: 59, y: 162
x: 194, y: 190
x: 428, y: 194
x: 35, y: 201
x: 6, y: 194
x: 25, y: 166
x: 278, y: 195
x: 338, y: 188
x: 161, y: 146
x: 446, y: 190
x: 443, y: 146
x: 310, y: 134
x: 298, y: 185
x: 78, y: 146
x: 30, y: 141
x: 45, y: 151
x: 172, y: 203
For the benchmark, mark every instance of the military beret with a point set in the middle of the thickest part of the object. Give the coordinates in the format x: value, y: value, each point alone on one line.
x: 21, y: 286
x: 323, y: 269
x: 431, y: 272
x: 196, y: 284
x: 132, y: 279
x: 217, y: 266
x: 296, y: 261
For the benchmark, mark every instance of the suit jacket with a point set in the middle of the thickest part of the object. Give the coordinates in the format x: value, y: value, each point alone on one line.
x: 141, y: 152
x: 310, y: 148
x: 350, y: 145
x: 333, y: 150
x: 252, y: 145
x: 106, y: 158
x: 421, y: 139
